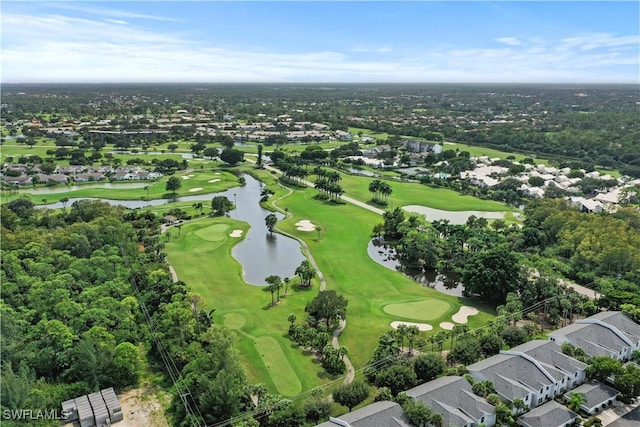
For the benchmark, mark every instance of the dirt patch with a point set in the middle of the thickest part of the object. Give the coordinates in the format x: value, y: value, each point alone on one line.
x: 143, y: 407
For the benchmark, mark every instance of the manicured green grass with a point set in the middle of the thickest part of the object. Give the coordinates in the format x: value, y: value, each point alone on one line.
x: 426, y: 309
x: 278, y: 366
x: 408, y: 193
x: 205, y: 263
x: 196, y: 180
x: 341, y: 253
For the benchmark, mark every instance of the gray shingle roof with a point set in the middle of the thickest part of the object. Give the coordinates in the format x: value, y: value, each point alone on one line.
x: 453, y: 398
x: 594, y: 339
x: 378, y: 414
x: 549, y: 354
x: 595, y: 393
x: 619, y: 320
x: 512, y: 376
x: 551, y: 414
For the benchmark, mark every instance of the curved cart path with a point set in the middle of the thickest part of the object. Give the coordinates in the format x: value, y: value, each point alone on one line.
x: 351, y: 372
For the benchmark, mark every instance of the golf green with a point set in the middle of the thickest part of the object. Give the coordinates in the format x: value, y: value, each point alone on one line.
x: 427, y: 309
x: 280, y: 370
x: 213, y: 233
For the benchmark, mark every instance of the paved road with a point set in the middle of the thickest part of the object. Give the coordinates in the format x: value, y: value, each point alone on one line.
x: 621, y: 415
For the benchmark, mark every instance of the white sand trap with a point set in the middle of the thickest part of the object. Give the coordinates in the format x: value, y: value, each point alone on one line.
x: 217, y: 173
x: 185, y: 177
x: 236, y: 233
x: 464, y: 312
x: 214, y: 180
x: 190, y: 176
x: 305, y: 225
x: 447, y: 325
x: 421, y: 326
x: 191, y: 190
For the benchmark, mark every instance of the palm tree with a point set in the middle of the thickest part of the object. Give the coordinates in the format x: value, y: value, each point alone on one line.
x: 374, y: 187
x: 519, y: 405
x: 292, y: 319
x: 146, y: 188
x: 64, y: 202
x: 318, y: 229
x: 286, y: 284
x: 385, y: 190
x: 274, y: 284
x: 271, y: 221
x: 412, y: 334
x: 401, y: 333
x: 575, y: 401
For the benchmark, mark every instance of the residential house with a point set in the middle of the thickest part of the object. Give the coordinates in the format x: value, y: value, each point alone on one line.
x: 378, y: 414
x: 18, y: 180
x: 56, y: 178
x: 453, y: 398
x: 609, y: 333
x: 551, y: 414
x: 549, y: 355
x: 596, y: 395
x: 342, y: 135
x: 517, y: 376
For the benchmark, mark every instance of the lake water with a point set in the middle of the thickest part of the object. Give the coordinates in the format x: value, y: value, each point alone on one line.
x: 260, y: 253
x: 357, y: 171
x: 455, y: 217
x: 445, y: 283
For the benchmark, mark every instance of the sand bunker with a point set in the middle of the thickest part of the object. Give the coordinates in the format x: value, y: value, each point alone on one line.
x: 236, y: 233
x: 464, y: 312
x: 185, y: 177
x: 214, y: 180
x: 216, y: 173
x: 447, y: 325
x: 305, y: 225
x: 421, y: 326
x: 191, y: 190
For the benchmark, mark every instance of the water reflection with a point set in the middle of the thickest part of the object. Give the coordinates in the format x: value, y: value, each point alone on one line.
x: 357, y: 171
x: 260, y: 253
x: 387, y: 257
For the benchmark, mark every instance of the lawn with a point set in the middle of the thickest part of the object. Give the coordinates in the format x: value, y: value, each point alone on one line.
x: 377, y: 296
x: 202, y: 258
x: 341, y: 253
x: 193, y: 183
x: 407, y: 193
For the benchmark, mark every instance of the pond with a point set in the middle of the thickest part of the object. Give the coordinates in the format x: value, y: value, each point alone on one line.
x: 455, y: 217
x: 260, y: 253
x: 444, y: 282
x: 357, y: 171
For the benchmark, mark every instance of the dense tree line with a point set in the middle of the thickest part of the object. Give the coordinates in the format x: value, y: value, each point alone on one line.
x: 88, y: 300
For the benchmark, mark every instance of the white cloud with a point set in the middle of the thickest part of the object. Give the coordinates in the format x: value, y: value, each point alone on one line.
x: 57, y: 48
x: 511, y: 41
x: 117, y: 21
x: 104, y: 11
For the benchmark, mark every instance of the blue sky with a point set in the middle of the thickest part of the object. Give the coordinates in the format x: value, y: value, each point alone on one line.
x: 322, y: 41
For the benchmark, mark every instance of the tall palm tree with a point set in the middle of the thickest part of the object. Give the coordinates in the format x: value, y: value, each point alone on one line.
x: 519, y: 405
x: 412, y: 334
x: 402, y: 332
x: 271, y: 221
